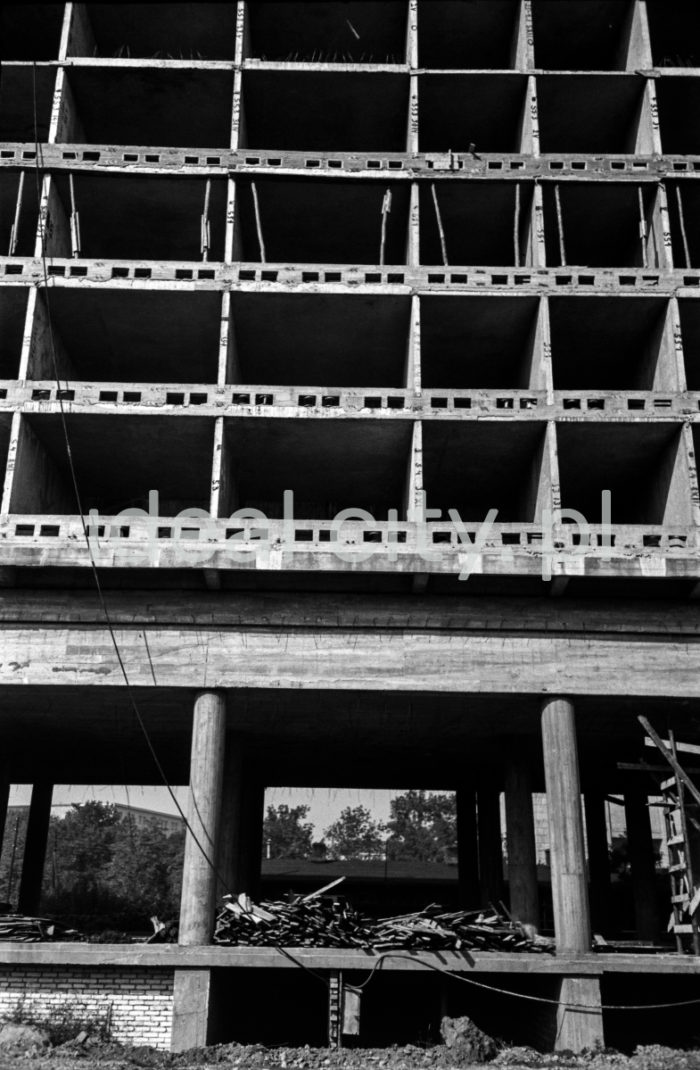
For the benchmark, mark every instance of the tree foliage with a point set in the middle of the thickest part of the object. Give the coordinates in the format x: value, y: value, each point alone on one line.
x: 422, y: 826
x: 286, y: 833
x: 355, y: 835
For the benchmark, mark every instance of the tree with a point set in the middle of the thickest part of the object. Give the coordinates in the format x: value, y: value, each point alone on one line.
x: 145, y: 871
x: 286, y: 834
x: 355, y: 835
x: 422, y: 826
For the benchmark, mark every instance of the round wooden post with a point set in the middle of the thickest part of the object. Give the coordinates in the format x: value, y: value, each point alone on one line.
x: 520, y: 834
x: 572, y: 922
x: 206, y: 779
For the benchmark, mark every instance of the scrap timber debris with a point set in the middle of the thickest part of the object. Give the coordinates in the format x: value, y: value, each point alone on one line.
x: 20, y: 927
x: 319, y: 920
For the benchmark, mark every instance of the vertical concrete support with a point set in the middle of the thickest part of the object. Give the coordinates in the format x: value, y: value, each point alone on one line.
x: 251, y: 845
x: 4, y: 800
x: 206, y: 780
x: 520, y: 832
x: 191, y: 1009
x: 490, y: 845
x: 598, y: 860
x: 641, y: 855
x: 572, y: 923
x: 467, y: 849
x: 636, y: 45
x: 35, y: 849
x: 579, y: 1014
x: 522, y: 50
x: 231, y: 821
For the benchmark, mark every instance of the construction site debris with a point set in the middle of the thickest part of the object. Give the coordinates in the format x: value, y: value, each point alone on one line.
x: 329, y: 921
x: 28, y: 930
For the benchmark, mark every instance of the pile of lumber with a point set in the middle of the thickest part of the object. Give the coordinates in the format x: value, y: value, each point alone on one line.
x: 24, y: 929
x: 319, y: 920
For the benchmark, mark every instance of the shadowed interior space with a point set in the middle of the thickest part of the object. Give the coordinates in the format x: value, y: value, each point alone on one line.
x: 485, y: 223
x: 642, y: 467
x: 319, y: 339
x: 17, y: 102
x: 600, y: 225
x: 330, y: 466
x: 325, y: 111
x: 13, y: 312
x: 590, y: 113
x: 145, y: 217
x: 674, y: 29
x: 5, y: 426
x: 607, y: 343
x: 118, y: 460
x: 18, y: 214
x: 581, y: 35
x: 679, y: 115
x: 152, y: 106
x: 480, y: 35
x: 684, y: 213
x: 132, y: 336
x: 31, y: 31
x: 326, y: 31
x: 690, y: 334
x: 323, y: 222
x: 477, y: 342
x: 154, y: 31
x: 472, y: 467
x: 458, y: 110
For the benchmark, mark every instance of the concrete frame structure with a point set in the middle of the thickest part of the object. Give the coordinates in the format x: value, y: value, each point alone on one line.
x: 216, y: 299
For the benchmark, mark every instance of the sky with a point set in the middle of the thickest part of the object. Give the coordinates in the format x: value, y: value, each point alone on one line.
x: 325, y: 804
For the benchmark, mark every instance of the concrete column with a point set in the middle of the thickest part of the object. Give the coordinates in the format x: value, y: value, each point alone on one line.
x: 467, y: 849
x: 641, y: 855
x: 520, y: 833
x: 252, y: 815
x: 35, y: 849
x: 204, y: 810
x: 598, y: 860
x: 579, y: 1014
x: 490, y: 845
x: 4, y: 800
x: 572, y: 921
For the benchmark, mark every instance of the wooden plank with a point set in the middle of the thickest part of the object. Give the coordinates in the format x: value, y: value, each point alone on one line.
x: 687, y: 748
x: 677, y: 769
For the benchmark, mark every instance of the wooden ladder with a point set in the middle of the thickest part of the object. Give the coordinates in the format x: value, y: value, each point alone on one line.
x: 681, y: 806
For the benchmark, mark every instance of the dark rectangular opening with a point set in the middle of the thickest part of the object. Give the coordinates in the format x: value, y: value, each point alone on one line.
x: 18, y: 213
x: 13, y: 312
x: 156, y: 31
x: 589, y: 113
x: 679, y: 115
x: 600, y: 224
x: 690, y: 334
x: 17, y: 103
x: 478, y: 35
x: 325, y: 111
x: 684, y: 213
x: 153, y: 106
x: 674, y: 29
x: 634, y: 462
x: 325, y: 31
x: 606, y: 343
x: 474, y: 467
x: 130, y: 217
x: 323, y: 222
x: 322, y: 340
x: 580, y: 35
x: 31, y: 31
x: 118, y: 460
x: 459, y: 110
x: 477, y: 342
x: 329, y: 465
x: 478, y: 222
x: 142, y: 336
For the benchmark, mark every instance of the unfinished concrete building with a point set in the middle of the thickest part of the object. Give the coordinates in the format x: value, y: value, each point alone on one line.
x: 399, y: 258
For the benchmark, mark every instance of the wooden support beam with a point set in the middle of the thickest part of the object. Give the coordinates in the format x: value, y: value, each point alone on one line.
x: 490, y: 844
x: 572, y: 923
x: 35, y: 849
x: 467, y: 849
x: 598, y: 860
x: 203, y: 815
x: 641, y: 854
x: 520, y: 831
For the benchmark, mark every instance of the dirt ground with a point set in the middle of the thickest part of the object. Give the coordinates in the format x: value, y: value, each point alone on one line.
x: 91, y: 1056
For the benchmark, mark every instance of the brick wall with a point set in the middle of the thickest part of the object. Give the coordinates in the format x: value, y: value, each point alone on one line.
x: 137, y: 1004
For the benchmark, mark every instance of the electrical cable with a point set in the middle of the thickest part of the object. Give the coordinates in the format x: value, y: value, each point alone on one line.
x: 39, y: 170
